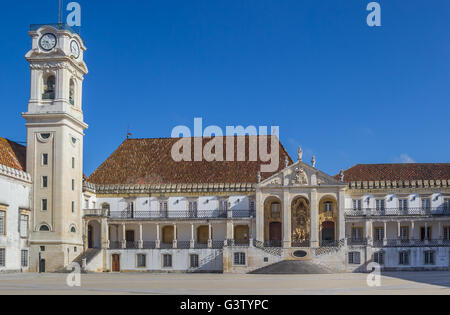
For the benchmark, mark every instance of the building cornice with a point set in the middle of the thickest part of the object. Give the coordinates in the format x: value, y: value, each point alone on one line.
x: 169, y: 188
x: 15, y: 174
x: 399, y: 184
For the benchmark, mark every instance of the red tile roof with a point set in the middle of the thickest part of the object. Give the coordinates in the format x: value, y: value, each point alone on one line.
x: 12, y: 154
x: 384, y: 172
x: 149, y: 161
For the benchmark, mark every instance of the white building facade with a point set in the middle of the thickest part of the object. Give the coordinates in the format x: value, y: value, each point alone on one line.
x: 141, y: 211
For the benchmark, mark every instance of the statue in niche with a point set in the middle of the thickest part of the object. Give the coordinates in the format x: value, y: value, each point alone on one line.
x: 300, y: 177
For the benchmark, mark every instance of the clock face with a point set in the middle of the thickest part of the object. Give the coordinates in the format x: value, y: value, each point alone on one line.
x: 48, y: 41
x: 75, y: 49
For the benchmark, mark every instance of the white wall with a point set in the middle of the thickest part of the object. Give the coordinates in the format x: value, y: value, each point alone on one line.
x: 15, y: 194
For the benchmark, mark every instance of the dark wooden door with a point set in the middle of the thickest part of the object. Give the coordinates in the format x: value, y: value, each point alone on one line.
x: 275, y: 232
x: 130, y: 236
x: 115, y: 263
x: 328, y: 231
x: 90, y: 237
x: 42, y: 265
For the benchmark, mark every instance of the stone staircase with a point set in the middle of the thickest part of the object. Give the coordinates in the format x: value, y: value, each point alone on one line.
x: 90, y: 254
x: 289, y: 267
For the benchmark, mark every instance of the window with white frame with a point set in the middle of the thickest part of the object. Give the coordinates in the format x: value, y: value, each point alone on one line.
x: 164, y: 208
x: 357, y: 234
x: 378, y: 257
x: 44, y: 181
x: 2, y: 257
x: 357, y: 204
x: 239, y: 259
x: 2, y: 222
x: 167, y: 261
x: 23, y: 225
x: 403, y: 204
x: 44, y: 205
x: 141, y: 260
x: 275, y: 210
x: 193, y: 209
x: 403, y: 258
x: 380, y: 205
x: 24, y: 258
x: 426, y: 203
x: 45, y: 159
x: 354, y: 258
x: 404, y: 233
x: 429, y: 257
x: 223, y: 205
x: 379, y: 233
x: 194, y: 263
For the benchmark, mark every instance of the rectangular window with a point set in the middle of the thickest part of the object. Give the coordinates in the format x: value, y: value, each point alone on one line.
x: 44, y: 204
x: 380, y: 204
x: 24, y: 259
x: 275, y: 210
x: 167, y: 261
x: 447, y: 233
x: 73, y: 206
x: 45, y: 159
x: 378, y: 257
x: 2, y: 257
x: 73, y: 184
x: 23, y: 225
x: 404, y: 258
x: 328, y: 207
x: 73, y: 162
x: 429, y: 257
x: 357, y: 205
x: 193, y: 206
x: 194, y: 261
x: 357, y: 234
x: 447, y: 204
x: 164, y: 209
x: 425, y: 233
x: 404, y: 233
x: 403, y: 205
x: 2, y: 222
x: 426, y: 204
x: 44, y: 181
x: 239, y: 259
x: 42, y: 248
x: 86, y: 204
x: 252, y: 205
x: 141, y: 260
x: 354, y: 258
x: 379, y: 234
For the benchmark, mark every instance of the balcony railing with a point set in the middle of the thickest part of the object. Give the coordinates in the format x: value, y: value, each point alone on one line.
x: 304, y: 243
x: 96, y: 212
x: 357, y: 242
x: 158, y: 215
x: 180, y: 245
x: 438, y: 211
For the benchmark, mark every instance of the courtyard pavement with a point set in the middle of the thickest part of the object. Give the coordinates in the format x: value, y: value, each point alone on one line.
x: 207, y: 284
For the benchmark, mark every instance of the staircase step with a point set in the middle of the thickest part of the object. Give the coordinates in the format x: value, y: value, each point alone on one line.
x: 288, y: 267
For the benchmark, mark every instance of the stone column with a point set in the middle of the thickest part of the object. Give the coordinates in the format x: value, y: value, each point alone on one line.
x: 369, y: 232
x: 210, y: 241
x: 158, y: 236
x: 287, y: 225
x: 104, y: 234
x: 385, y: 233
x: 411, y: 237
x: 124, y: 236
x: 314, y: 219
x: 259, y: 217
x: 141, y: 241
x: 175, y: 238
x: 341, y: 213
x: 192, y: 236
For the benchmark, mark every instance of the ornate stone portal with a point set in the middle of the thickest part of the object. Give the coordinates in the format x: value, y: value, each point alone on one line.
x: 301, y: 223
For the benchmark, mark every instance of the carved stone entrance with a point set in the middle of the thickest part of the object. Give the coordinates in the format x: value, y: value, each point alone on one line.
x: 301, y: 223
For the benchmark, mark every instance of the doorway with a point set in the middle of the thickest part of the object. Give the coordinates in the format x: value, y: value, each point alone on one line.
x: 275, y: 234
x: 42, y: 266
x: 115, y: 263
x: 328, y: 232
x: 90, y: 237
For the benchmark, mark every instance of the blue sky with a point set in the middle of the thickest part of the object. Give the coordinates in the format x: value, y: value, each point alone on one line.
x: 346, y: 92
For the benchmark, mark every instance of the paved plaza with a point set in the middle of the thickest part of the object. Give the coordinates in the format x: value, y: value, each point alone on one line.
x: 207, y: 284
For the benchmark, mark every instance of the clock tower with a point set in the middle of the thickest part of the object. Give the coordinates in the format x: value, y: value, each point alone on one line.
x: 55, y: 130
